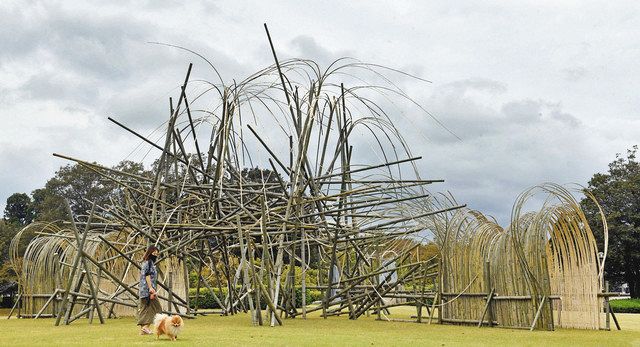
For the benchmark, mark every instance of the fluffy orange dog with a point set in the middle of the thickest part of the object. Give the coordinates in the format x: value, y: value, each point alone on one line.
x: 168, y: 325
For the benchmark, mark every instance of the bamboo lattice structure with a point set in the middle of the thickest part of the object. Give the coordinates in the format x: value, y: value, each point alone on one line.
x: 246, y: 236
x: 330, y: 202
x: 515, y: 277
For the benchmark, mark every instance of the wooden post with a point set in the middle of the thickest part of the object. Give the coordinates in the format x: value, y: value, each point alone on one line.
x: 15, y: 304
x: 421, y: 302
x: 72, y: 274
x: 94, y: 293
x: 419, y: 311
x: 439, y: 289
x: 560, y: 313
x: 433, y: 306
x: 487, y: 310
x: 607, y: 325
x: 80, y: 241
x: 488, y: 287
x: 97, y: 286
x: 245, y: 270
x: 73, y: 297
x: 200, y: 262
x: 303, y: 257
x: 535, y: 319
x: 20, y: 302
x: 257, y: 294
x: 186, y: 284
x: 57, y: 278
x: 613, y: 315
x: 551, y: 324
x: 170, y: 286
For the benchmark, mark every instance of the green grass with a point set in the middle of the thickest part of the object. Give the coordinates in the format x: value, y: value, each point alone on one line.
x: 625, y: 305
x: 237, y: 330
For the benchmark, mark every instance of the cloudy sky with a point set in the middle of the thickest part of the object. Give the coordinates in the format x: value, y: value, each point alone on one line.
x: 537, y: 91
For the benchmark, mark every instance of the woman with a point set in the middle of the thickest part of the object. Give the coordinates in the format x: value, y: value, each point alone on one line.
x: 149, y: 305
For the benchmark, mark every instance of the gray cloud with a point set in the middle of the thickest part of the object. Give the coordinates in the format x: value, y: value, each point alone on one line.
x: 307, y: 47
x: 476, y: 84
x: 94, y: 46
x: 471, y: 109
x: 526, y: 111
x: 542, y: 101
x: 507, y: 145
x: 17, y: 164
x: 575, y: 74
x: 50, y: 86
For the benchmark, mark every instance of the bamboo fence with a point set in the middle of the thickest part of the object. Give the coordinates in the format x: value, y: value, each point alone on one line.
x: 545, y: 261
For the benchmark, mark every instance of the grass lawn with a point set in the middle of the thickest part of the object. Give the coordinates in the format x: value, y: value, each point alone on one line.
x: 238, y: 331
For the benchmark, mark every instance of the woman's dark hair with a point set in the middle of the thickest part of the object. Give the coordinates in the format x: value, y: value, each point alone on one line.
x: 150, y: 250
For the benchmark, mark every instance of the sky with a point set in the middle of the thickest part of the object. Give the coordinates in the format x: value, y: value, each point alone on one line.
x: 536, y: 91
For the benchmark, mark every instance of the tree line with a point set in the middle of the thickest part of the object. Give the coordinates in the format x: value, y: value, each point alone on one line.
x: 618, y: 193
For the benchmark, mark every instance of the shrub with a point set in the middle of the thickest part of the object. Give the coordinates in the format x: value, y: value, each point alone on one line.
x: 205, y: 298
x: 625, y: 305
x: 207, y: 301
x: 312, y: 295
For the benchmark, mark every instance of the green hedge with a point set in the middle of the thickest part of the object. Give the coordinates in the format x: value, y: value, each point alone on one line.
x: 625, y: 305
x: 207, y: 301
x: 312, y: 295
x: 205, y: 298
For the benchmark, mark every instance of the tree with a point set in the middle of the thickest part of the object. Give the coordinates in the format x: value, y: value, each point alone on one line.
x: 81, y: 187
x: 48, y: 206
x: 17, y: 213
x: 19, y: 209
x: 618, y: 192
x: 7, y: 232
x: 257, y: 175
x: 131, y: 167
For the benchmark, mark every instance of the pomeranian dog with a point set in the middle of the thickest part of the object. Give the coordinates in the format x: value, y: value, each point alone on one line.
x: 168, y: 325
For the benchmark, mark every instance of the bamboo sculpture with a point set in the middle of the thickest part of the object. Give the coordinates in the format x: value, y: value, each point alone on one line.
x: 514, y: 277
x: 318, y: 204
x: 321, y: 206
